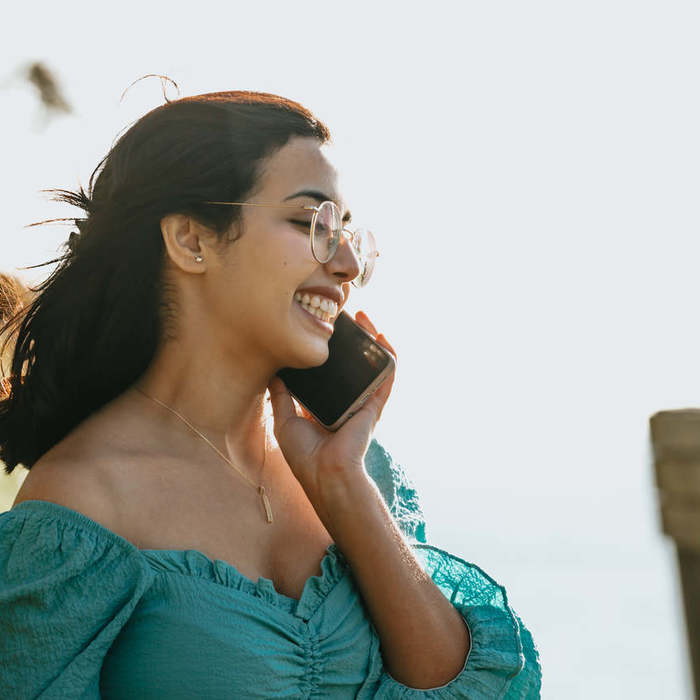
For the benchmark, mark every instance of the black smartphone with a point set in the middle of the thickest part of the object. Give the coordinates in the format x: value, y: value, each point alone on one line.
x: 337, y: 389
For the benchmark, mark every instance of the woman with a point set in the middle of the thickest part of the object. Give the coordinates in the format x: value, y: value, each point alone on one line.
x: 160, y: 546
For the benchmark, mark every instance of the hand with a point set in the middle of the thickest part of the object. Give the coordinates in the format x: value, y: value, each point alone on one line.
x: 318, y: 456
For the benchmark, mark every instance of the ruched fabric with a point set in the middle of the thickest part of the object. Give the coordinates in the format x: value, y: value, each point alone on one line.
x: 86, y: 614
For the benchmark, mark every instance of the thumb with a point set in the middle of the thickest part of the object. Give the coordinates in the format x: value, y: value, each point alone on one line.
x: 281, y: 400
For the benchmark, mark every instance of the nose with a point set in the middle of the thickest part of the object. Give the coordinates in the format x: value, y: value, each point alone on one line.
x: 344, y: 263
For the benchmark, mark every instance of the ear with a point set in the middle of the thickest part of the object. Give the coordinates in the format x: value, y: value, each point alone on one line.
x: 185, y: 240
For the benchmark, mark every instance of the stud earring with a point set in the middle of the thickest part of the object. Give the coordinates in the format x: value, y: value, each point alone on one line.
x: 198, y: 258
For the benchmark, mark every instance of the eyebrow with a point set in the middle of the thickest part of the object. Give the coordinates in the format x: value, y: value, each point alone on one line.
x: 319, y: 197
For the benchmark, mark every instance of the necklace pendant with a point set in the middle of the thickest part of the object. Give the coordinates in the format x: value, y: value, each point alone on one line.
x: 266, y: 503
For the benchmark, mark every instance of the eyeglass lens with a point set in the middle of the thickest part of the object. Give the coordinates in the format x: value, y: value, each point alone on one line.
x: 326, y: 235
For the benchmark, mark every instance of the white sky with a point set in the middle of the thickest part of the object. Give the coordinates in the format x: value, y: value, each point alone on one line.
x: 531, y: 173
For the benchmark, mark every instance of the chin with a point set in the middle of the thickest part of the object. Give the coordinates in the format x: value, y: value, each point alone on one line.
x: 306, y: 345
x: 310, y: 355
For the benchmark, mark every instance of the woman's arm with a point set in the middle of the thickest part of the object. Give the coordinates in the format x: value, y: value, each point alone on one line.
x: 424, y: 639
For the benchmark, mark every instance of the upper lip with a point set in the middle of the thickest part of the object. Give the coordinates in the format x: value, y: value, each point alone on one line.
x: 330, y: 292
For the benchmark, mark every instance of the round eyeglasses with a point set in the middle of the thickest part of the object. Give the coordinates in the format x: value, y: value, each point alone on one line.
x: 325, y: 232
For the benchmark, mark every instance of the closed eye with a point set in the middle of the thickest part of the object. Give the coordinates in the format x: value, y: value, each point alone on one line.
x: 300, y: 223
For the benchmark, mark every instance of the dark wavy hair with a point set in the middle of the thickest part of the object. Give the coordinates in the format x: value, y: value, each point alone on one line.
x: 95, y: 323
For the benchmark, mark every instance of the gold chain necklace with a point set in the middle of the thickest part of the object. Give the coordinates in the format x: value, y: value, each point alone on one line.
x: 260, y: 489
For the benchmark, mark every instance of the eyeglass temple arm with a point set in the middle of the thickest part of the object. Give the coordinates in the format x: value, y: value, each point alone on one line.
x: 254, y: 204
x: 283, y: 206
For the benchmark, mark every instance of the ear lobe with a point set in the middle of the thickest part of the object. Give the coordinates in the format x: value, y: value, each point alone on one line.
x: 182, y: 240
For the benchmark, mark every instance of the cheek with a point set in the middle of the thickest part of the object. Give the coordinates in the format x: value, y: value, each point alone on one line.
x: 294, y: 258
x: 277, y: 261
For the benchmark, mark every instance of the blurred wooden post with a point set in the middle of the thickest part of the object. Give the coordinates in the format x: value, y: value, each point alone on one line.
x: 675, y: 437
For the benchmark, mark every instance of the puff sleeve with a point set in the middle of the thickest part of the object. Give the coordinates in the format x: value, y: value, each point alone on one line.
x: 66, y: 590
x: 503, y: 661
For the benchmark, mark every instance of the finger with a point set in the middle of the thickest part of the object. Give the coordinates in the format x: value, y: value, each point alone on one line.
x: 297, y: 406
x: 381, y: 339
x: 380, y: 397
x: 304, y: 412
x: 282, y: 403
x: 371, y: 412
x: 300, y: 409
x: 363, y: 319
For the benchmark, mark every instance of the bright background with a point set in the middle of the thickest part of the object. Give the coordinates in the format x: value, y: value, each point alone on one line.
x: 531, y: 171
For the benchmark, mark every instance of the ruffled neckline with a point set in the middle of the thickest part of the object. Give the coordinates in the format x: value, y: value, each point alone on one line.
x: 196, y: 564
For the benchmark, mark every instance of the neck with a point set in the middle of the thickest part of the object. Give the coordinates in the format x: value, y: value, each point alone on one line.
x: 224, y: 403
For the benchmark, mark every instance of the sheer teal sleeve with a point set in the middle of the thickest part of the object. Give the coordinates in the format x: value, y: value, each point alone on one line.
x: 397, y: 490
x: 65, y: 593
x: 503, y: 661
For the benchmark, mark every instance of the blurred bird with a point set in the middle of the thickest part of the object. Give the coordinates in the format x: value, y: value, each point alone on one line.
x: 49, y: 92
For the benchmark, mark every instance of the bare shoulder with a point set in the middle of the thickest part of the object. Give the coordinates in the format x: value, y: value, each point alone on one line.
x: 82, y: 471
x: 77, y: 484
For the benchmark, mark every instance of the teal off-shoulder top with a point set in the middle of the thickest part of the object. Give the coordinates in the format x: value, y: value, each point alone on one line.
x: 86, y: 614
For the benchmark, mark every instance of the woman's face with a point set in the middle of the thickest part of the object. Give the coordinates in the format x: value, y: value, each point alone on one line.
x: 252, y: 289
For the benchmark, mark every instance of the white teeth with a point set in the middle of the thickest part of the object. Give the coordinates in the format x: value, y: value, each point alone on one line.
x: 321, y: 307
x: 318, y: 312
x: 324, y: 316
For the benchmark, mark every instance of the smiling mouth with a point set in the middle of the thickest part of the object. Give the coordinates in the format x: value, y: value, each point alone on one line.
x: 318, y: 306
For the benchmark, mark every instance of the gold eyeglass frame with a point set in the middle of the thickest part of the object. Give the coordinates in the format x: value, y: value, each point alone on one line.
x: 346, y: 232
